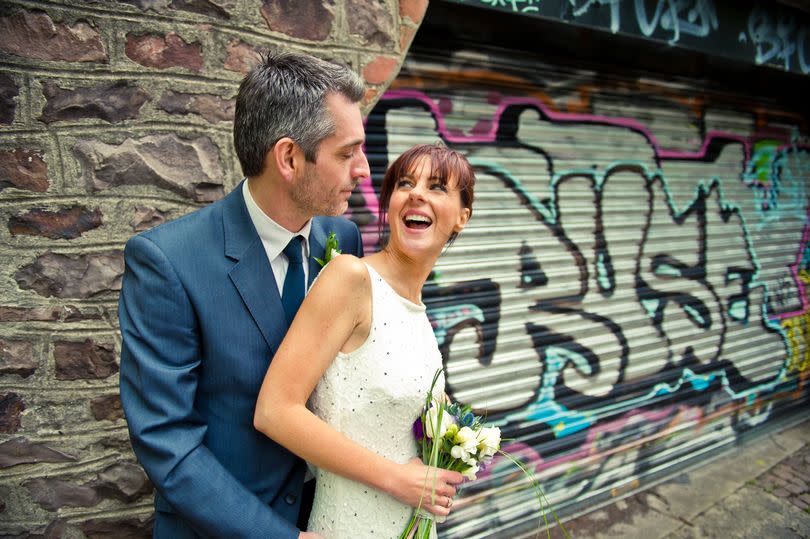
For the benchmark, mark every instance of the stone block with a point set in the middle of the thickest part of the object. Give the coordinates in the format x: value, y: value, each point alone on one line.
x: 11, y: 409
x: 8, y: 91
x: 154, y: 5
x: 186, y: 167
x: 77, y: 276
x: 23, y: 169
x: 65, y: 313
x: 53, y: 494
x: 241, y: 57
x: 380, y: 70
x: 22, y: 451
x: 406, y: 34
x: 123, y: 528
x: 113, y: 102
x: 220, y: 9
x: 371, y: 21
x: 211, y: 107
x: 164, y: 52
x: 33, y: 34
x: 304, y: 19
x: 413, y: 9
x: 369, y: 97
x: 146, y: 217
x: 65, y: 223
x: 17, y: 357
x: 125, y: 481
x: 107, y: 407
x: 84, y: 360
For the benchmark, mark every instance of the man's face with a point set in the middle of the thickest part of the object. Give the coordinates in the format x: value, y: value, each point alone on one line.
x: 324, y: 187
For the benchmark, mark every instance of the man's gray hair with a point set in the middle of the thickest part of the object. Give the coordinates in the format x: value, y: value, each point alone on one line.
x: 285, y: 96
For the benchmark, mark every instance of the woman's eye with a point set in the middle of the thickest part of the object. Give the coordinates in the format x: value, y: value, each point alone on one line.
x: 403, y: 183
x: 439, y: 187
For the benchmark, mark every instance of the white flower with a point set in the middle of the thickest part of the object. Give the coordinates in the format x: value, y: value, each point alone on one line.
x: 466, y: 445
x: 488, y: 441
x: 458, y: 452
x: 334, y: 253
x: 470, y: 472
x: 433, y: 427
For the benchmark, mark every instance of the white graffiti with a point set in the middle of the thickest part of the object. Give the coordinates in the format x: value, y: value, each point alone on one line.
x: 615, y: 13
x: 778, y: 39
x: 691, y: 17
x: 679, y: 17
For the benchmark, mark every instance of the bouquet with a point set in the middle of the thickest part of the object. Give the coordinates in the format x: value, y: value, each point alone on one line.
x: 451, y: 437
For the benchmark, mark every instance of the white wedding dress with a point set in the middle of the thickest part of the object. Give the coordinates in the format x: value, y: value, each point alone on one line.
x: 373, y: 395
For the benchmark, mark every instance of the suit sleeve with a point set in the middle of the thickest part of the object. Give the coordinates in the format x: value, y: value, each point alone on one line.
x: 350, y: 239
x: 160, y: 359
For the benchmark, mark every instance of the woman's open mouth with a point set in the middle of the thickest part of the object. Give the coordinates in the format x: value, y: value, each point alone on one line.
x: 417, y: 222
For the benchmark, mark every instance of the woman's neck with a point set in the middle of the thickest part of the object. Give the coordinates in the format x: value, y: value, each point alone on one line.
x: 405, y: 275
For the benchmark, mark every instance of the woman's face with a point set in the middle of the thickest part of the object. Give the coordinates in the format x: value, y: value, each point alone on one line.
x: 423, y: 211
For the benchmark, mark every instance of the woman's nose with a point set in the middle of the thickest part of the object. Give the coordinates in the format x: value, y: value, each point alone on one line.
x: 417, y: 192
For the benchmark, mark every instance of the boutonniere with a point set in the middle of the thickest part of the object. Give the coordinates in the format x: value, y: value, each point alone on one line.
x: 330, y: 251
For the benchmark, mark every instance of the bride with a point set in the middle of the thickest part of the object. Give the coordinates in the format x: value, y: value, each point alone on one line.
x: 362, y: 353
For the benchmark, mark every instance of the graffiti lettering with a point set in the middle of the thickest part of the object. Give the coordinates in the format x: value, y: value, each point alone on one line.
x: 693, y: 17
x: 797, y: 330
x: 615, y: 7
x: 778, y: 39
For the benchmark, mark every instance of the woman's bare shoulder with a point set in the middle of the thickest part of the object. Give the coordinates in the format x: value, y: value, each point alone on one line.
x: 344, y: 273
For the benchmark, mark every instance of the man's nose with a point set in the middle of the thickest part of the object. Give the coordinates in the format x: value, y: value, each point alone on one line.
x: 361, y: 168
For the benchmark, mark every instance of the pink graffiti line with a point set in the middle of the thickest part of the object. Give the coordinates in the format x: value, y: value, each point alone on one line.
x: 568, y: 117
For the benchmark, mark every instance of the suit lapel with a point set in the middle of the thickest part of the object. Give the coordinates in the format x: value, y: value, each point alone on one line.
x: 251, y: 274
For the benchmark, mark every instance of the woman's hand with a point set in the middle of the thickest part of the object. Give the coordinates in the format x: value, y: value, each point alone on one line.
x: 418, y: 485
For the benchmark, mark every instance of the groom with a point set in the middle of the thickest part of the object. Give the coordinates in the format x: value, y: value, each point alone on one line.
x: 207, y: 299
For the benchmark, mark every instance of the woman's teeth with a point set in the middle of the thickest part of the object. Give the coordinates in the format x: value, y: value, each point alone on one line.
x: 417, y: 221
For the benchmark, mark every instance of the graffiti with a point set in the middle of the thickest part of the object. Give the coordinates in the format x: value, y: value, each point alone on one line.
x: 797, y: 330
x: 596, y: 303
x: 675, y: 17
x: 520, y: 6
x: 615, y: 10
x: 758, y: 32
x: 779, y: 38
x: 690, y: 17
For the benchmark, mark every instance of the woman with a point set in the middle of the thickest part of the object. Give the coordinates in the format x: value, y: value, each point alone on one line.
x: 362, y: 348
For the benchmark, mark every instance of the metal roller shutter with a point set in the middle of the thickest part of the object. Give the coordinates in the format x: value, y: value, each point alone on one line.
x: 629, y: 296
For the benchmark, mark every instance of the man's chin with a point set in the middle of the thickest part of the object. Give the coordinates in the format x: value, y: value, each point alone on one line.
x: 337, y: 210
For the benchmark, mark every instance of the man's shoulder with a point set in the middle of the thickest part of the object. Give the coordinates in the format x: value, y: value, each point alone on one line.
x: 202, y: 221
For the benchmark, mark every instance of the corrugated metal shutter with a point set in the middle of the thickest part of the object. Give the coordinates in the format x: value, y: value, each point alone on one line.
x: 629, y: 296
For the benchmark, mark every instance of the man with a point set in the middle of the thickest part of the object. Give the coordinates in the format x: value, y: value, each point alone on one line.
x: 207, y: 299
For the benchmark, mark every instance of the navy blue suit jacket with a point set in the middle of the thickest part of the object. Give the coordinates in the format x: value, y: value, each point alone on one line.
x: 201, y: 318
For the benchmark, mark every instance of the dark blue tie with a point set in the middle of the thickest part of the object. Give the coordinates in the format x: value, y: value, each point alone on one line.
x: 293, y: 293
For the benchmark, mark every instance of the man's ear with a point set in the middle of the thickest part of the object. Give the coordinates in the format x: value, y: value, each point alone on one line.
x: 285, y: 157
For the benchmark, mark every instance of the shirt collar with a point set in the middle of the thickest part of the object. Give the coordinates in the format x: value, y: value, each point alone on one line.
x: 274, y: 236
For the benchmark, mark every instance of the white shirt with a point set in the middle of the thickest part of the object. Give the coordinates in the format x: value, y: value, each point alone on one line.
x: 275, y: 238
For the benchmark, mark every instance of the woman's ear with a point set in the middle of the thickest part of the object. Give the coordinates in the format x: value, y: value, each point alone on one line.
x: 463, y: 217
x: 283, y: 155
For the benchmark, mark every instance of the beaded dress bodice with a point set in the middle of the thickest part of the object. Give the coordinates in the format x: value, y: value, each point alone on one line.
x: 373, y: 395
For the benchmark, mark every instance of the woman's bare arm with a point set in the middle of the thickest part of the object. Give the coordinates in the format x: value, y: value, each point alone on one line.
x: 336, y: 311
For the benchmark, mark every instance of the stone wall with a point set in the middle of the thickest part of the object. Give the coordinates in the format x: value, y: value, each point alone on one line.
x: 115, y: 117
